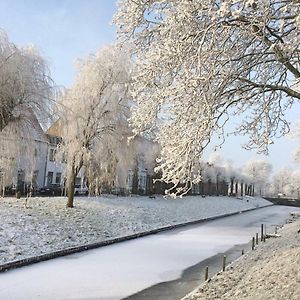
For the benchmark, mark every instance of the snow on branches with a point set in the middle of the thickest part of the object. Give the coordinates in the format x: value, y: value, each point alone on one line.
x: 94, y: 115
x: 25, y: 83
x: 295, y: 134
x: 25, y: 92
x: 198, y: 62
x: 286, y: 183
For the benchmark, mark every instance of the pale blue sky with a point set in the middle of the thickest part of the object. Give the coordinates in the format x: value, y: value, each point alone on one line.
x: 65, y: 30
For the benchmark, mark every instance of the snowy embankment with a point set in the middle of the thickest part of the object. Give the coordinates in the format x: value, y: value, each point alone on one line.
x: 46, y: 225
x: 269, y: 272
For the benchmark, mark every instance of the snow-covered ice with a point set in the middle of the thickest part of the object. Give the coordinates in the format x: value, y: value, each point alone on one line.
x: 116, y: 271
x: 123, y: 269
x: 47, y: 225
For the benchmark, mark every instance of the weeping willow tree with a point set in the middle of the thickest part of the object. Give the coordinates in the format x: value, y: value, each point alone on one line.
x: 94, y: 115
x: 25, y: 83
x: 26, y: 94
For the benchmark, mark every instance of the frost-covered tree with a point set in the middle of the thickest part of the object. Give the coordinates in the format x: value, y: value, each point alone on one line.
x: 295, y: 134
x: 25, y: 83
x: 240, y: 180
x: 293, y: 189
x: 259, y: 172
x: 286, y: 182
x: 26, y: 90
x: 101, y: 168
x: 94, y: 115
x: 199, y: 62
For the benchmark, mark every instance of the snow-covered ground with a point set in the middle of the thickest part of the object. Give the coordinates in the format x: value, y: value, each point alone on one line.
x: 270, y: 272
x: 46, y: 225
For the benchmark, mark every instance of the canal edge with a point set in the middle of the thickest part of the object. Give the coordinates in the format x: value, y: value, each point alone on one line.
x: 72, y: 250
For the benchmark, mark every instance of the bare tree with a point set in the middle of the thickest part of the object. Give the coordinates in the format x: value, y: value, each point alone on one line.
x: 93, y: 112
x: 198, y: 63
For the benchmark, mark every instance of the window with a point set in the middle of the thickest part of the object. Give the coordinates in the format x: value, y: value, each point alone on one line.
x: 52, y: 140
x: 64, y: 158
x: 58, y: 178
x: 78, y: 181
x: 52, y: 155
x: 129, y: 178
x: 21, y: 176
x: 142, y: 181
x: 49, y: 178
x: 35, y: 177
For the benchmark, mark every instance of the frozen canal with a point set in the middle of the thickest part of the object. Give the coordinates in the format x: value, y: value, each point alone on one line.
x: 120, y: 270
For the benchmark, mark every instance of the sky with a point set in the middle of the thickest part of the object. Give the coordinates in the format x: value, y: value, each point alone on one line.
x: 65, y: 30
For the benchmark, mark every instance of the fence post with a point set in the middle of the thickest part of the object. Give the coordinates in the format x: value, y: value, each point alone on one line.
x: 224, y: 263
x: 256, y: 239
x: 265, y: 229
x: 253, y: 243
x: 262, y: 232
x: 206, y: 273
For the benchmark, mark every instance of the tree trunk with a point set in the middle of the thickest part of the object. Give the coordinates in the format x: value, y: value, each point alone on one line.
x: 250, y: 190
x: 71, y: 181
x: 209, y: 187
x: 231, y: 186
x: 3, y: 186
x: 217, y: 185
x: 135, y: 182
x: 71, y: 188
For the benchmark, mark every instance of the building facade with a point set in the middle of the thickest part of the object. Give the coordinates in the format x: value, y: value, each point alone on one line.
x: 23, y: 153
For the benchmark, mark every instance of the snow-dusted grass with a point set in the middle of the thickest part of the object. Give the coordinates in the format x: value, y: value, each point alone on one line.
x: 270, y: 272
x: 47, y: 225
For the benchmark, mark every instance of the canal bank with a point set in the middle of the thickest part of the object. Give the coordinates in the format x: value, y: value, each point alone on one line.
x: 193, y: 276
x: 269, y: 272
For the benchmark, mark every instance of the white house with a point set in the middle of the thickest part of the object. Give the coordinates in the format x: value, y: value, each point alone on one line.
x: 55, y: 169
x: 136, y: 177
x: 31, y: 161
x: 136, y: 160
x: 23, y: 155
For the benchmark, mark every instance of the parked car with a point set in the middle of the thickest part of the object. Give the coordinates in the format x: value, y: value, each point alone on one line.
x: 22, y: 187
x: 79, y: 190
x: 51, y: 190
x: 119, y: 191
x: 280, y: 195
